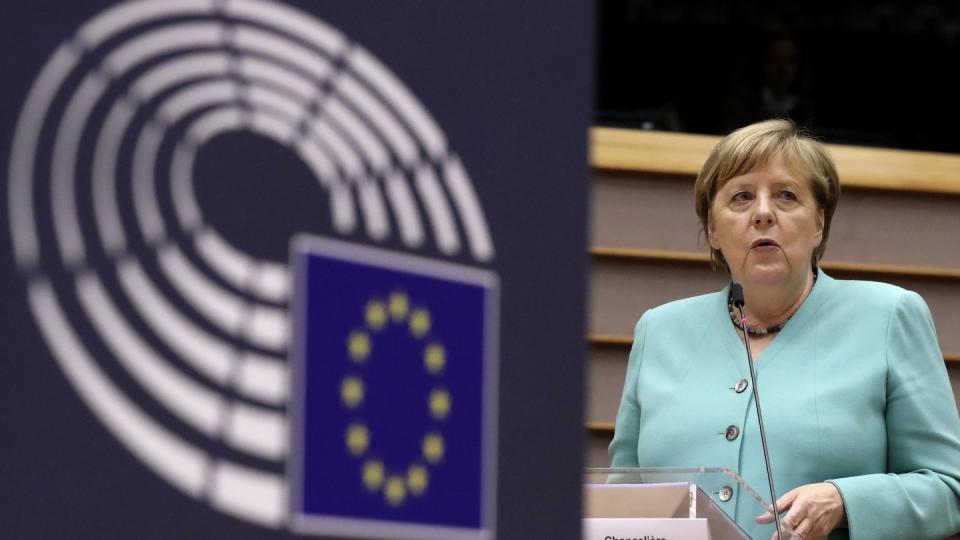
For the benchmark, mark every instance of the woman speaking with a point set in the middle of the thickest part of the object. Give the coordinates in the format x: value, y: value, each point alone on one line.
x: 861, y: 423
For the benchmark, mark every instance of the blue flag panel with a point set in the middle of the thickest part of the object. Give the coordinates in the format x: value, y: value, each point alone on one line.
x: 393, y: 389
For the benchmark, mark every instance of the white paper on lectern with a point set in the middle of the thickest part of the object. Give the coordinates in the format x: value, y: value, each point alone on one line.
x: 662, y: 500
x: 645, y: 529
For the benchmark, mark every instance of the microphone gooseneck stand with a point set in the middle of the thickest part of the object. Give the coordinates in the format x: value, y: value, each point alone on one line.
x: 736, y: 292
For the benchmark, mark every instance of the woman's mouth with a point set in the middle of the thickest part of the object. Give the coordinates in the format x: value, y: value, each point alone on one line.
x: 764, y: 244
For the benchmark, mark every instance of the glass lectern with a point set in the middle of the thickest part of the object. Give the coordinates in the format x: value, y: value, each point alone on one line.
x: 670, y: 504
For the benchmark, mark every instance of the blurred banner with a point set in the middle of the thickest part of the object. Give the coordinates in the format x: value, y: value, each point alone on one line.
x: 293, y: 268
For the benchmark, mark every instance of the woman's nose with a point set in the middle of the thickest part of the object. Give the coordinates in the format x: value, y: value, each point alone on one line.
x: 763, y: 212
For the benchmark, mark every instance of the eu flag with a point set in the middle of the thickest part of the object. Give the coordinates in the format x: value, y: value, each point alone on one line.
x: 393, y: 418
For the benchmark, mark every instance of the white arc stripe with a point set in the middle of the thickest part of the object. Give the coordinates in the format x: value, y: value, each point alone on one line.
x: 396, y: 92
x: 204, y: 352
x: 465, y: 199
x: 196, y: 405
x: 249, y: 494
x: 177, y: 462
x: 129, y: 14
x: 23, y: 156
x: 296, y: 22
x: 437, y: 209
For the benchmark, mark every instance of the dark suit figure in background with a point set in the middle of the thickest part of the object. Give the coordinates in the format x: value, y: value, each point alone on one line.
x: 771, y: 85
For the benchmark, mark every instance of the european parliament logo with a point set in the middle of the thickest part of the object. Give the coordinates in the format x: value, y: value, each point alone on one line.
x: 393, y: 418
x: 174, y: 332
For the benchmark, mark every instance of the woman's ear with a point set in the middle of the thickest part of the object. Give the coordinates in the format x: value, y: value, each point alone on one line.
x: 820, y: 222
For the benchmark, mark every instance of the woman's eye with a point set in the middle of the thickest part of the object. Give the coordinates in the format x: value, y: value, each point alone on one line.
x: 742, y: 196
x: 789, y: 195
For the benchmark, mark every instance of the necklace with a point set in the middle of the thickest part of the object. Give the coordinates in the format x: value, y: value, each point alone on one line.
x: 761, y: 331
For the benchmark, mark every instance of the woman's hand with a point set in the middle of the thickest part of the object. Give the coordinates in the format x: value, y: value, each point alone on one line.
x: 812, y: 510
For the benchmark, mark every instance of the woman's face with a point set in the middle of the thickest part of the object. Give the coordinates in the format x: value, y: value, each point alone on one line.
x: 767, y: 224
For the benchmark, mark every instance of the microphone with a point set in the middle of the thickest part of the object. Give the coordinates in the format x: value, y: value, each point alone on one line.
x: 736, y: 294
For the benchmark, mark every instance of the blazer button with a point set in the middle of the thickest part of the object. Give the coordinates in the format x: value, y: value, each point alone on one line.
x: 741, y: 386
x: 732, y: 433
x: 726, y: 493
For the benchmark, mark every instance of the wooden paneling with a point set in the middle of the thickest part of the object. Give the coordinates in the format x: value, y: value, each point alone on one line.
x: 596, y: 450
x: 859, y: 167
x: 622, y: 288
x: 654, y: 212
x: 606, y: 371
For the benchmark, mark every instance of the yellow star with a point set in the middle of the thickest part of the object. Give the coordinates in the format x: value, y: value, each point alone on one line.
x: 395, y: 491
x: 373, y: 474
x: 417, y: 479
x: 399, y: 306
x: 439, y: 403
x: 359, y: 346
x: 433, y: 447
x: 420, y: 322
x: 351, y: 391
x: 434, y: 358
x: 358, y: 438
x: 376, y: 315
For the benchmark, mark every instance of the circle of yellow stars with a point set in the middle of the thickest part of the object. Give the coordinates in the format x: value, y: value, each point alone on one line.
x: 396, y: 486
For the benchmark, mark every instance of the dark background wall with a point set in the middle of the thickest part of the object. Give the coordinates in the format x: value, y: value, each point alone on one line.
x: 873, y: 73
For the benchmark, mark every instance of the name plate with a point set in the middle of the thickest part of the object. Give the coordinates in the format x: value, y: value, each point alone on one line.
x: 645, y: 529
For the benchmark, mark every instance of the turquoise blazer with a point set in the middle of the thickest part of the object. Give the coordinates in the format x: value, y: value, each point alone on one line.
x: 854, y: 391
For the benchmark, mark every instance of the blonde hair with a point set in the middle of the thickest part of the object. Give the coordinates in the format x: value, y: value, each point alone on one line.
x: 755, y: 145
